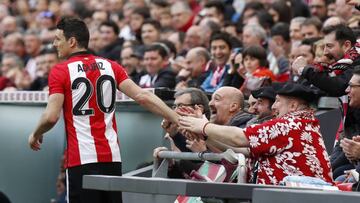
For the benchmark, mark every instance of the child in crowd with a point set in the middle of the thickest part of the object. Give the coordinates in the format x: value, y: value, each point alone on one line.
x: 257, y: 71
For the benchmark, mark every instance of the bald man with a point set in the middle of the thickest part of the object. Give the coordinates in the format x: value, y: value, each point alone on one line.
x: 333, y: 21
x: 197, y: 59
x: 193, y: 74
x: 193, y: 37
x: 227, y: 107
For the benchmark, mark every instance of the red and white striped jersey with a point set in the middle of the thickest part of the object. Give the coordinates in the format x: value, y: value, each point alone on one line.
x: 89, y: 86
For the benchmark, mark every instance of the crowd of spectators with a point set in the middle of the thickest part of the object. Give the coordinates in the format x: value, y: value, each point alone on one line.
x: 235, y: 50
x: 175, y: 44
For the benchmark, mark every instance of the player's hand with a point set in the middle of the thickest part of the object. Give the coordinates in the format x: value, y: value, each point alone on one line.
x: 34, y: 142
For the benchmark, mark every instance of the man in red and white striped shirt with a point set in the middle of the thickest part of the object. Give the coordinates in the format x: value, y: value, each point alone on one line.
x: 84, y: 86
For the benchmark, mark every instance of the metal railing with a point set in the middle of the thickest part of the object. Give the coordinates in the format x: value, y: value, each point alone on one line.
x: 161, y: 164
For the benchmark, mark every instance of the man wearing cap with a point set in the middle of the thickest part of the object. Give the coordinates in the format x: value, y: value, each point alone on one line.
x: 288, y: 145
x: 265, y: 97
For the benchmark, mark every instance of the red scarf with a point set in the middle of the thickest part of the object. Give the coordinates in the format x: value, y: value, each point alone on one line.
x: 341, y: 65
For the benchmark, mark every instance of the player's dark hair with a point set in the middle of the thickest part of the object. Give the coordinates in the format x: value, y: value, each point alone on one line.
x: 74, y: 27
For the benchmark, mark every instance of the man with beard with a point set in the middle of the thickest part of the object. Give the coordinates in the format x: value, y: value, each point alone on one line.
x: 340, y: 46
x: 265, y: 97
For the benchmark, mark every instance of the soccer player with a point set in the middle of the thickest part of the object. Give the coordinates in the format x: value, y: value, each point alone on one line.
x: 84, y: 86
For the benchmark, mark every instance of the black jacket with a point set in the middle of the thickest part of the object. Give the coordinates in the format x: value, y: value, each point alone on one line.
x: 352, y: 128
x: 240, y: 119
x: 112, y: 51
x: 165, y: 78
x: 333, y: 86
x: 233, y: 80
x: 135, y: 76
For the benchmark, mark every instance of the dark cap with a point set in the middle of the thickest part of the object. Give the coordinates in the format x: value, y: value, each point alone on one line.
x: 267, y: 92
x: 301, y: 91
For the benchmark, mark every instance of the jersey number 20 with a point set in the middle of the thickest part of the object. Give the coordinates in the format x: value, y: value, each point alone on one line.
x: 79, y: 110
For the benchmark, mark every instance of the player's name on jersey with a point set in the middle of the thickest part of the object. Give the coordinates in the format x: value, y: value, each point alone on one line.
x: 42, y: 96
x: 92, y: 67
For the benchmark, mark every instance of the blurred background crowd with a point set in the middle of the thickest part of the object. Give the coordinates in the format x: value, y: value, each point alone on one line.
x: 173, y: 43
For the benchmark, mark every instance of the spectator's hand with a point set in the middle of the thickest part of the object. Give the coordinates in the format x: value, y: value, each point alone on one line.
x: 192, y: 124
x: 197, y: 145
x: 276, y: 49
x: 184, y: 73
x: 300, y: 62
x: 157, y: 150
x: 351, y: 149
x: 181, y: 85
x: 34, y: 142
x: 169, y: 127
x: 353, y: 2
x: 156, y: 155
x: 192, y: 136
x: 242, y: 71
x: 230, y: 62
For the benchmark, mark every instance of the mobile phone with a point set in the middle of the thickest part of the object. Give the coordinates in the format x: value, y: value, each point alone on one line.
x: 237, y: 50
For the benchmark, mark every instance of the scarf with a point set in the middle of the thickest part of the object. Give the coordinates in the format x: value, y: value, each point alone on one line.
x: 216, y: 77
x: 343, y: 64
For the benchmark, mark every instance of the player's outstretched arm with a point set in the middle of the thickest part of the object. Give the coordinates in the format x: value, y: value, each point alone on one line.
x: 229, y: 135
x: 148, y: 100
x: 48, y: 119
